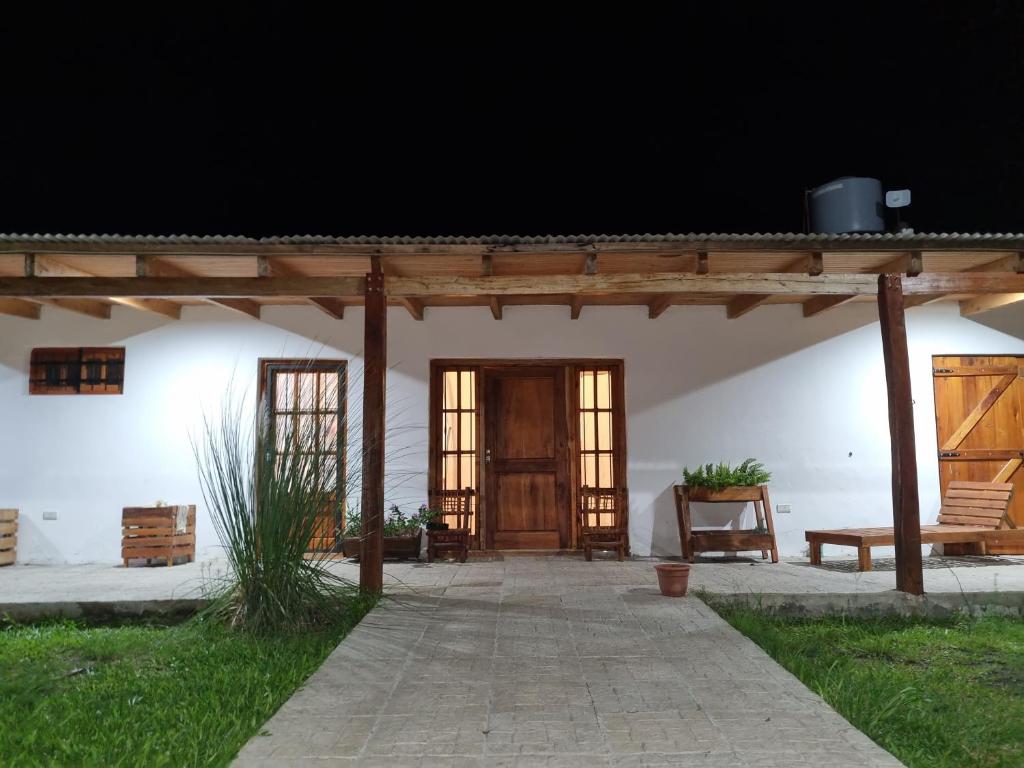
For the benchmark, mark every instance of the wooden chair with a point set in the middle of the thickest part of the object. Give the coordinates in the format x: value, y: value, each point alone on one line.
x: 154, y: 532
x: 602, y: 522
x: 457, y: 508
x: 971, y: 513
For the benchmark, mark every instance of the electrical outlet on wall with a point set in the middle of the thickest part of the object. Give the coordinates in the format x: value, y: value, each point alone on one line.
x: 49, y: 515
x: 783, y: 509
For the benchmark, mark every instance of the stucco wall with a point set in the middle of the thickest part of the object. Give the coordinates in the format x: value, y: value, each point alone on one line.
x: 806, y: 397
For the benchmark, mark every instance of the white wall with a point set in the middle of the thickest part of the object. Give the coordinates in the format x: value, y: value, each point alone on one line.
x: 807, y: 397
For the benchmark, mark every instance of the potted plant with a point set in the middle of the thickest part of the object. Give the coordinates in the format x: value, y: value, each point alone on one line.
x: 721, y: 482
x: 433, y: 517
x: 745, y: 483
x: 403, y: 534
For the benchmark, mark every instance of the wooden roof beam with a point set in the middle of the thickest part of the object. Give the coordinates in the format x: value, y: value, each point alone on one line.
x: 658, y: 306
x: 811, y: 264
x: 245, y: 306
x: 19, y: 308
x: 979, y: 304
x: 181, y: 287
x: 909, y: 263
x: 88, y: 307
x: 1012, y: 263
x: 414, y: 306
x: 682, y: 283
x: 819, y: 304
x: 156, y: 306
x: 496, y: 307
x: 575, y: 307
x: 330, y: 306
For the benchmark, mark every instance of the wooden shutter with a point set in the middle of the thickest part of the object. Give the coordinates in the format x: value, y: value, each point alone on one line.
x: 979, y: 421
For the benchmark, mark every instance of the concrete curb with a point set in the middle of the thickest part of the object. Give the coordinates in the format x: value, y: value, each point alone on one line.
x: 874, y: 604
x: 101, y: 610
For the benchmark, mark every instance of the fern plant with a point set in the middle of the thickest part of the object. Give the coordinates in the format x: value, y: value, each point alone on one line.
x: 721, y: 475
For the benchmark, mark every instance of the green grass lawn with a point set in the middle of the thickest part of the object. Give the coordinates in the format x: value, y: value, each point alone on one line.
x: 934, y: 693
x: 190, y: 694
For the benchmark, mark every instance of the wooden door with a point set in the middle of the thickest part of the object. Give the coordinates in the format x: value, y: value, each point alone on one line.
x: 526, y: 458
x: 305, y: 402
x: 979, y: 420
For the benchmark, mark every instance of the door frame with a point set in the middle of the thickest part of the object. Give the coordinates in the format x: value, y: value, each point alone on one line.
x: 270, y: 365
x: 570, y: 366
x: 949, y: 456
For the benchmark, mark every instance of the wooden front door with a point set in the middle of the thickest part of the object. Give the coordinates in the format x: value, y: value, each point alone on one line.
x: 526, y: 457
x: 979, y: 421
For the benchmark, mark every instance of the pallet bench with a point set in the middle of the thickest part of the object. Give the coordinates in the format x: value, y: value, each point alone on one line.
x: 971, y: 513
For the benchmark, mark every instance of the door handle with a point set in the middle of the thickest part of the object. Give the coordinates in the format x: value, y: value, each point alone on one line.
x: 487, y: 456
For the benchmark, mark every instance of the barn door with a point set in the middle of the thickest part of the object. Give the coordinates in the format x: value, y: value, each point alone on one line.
x: 979, y: 421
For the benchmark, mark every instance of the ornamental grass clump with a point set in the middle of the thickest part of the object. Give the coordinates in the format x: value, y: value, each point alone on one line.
x: 721, y: 475
x: 269, y: 491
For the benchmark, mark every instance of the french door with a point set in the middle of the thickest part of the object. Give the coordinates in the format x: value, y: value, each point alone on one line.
x: 307, y: 398
x: 526, y: 435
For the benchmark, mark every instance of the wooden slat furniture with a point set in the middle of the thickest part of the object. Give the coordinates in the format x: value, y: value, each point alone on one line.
x: 693, y: 541
x: 154, y: 533
x: 972, y: 513
x: 602, y: 523
x: 8, y: 536
x: 457, y: 508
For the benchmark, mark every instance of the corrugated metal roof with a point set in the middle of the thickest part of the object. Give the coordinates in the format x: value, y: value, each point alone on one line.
x: 919, y: 238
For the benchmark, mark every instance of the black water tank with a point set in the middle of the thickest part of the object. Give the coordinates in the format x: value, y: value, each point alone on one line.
x: 849, y: 204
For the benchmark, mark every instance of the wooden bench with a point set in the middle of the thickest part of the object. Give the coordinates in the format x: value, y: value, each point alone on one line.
x: 971, y: 513
x: 155, y: 532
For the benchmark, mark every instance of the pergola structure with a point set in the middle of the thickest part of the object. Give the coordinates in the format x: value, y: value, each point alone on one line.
x: 90, y: 274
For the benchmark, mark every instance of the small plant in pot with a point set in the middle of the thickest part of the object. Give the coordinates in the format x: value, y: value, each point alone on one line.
x: 433, y: 517
x: 718, y: 477
x: 402, y: 534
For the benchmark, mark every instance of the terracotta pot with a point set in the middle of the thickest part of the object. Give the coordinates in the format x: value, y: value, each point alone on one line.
x: 673, y: 578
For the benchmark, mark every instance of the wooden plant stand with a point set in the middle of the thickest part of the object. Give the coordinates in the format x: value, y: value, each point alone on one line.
x: 693, y: 541
x: 8, y: 536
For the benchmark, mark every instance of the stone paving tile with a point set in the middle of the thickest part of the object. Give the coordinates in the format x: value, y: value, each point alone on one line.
x: 530, y: 663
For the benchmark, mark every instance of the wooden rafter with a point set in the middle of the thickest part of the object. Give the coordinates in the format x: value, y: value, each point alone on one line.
x: 245, y: 306
x: 811, y: 264
x: 909, y: 263
x: 658, y: 306
x: 89, y: 307
x: 157, y: 306
x: 19, y: 308
x: 819, y: 304
x: 329, y: 305
x: 414, y: 306
x: 575, y: 307
x: 979, y: 304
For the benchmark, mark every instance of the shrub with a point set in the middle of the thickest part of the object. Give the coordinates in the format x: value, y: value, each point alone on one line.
x: 266, y: 507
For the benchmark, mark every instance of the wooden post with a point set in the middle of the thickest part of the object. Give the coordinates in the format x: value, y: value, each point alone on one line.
x: 371, y: 560
x: 905, y: 508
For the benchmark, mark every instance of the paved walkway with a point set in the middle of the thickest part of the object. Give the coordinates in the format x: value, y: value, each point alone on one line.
x: 111, y: 582
x: 548, y: 662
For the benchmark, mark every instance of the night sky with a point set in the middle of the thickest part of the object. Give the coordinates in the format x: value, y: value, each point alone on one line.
x: 419, y: 121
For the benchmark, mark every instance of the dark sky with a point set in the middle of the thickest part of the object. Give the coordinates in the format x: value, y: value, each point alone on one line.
x: 419, y: 121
